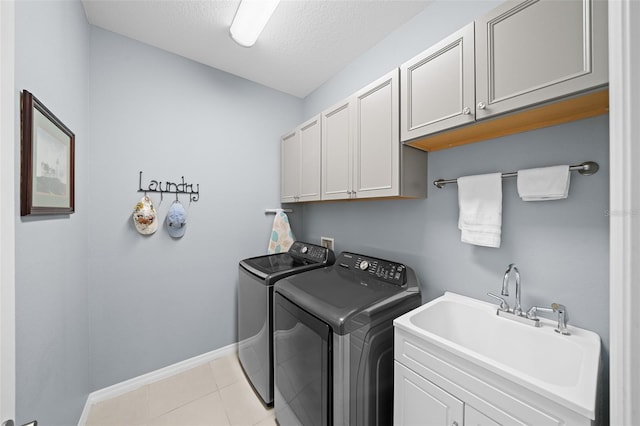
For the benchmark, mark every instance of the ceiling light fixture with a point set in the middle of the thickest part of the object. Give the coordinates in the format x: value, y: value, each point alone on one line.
x: 250, y: 19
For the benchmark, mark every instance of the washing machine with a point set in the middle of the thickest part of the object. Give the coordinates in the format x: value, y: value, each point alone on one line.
x: 334, y: 341
x: 256, y: 278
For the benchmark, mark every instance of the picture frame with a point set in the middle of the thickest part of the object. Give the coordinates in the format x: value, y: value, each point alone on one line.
x: 47, y: 161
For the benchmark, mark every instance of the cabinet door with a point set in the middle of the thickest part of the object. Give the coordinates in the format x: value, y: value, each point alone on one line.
x: 473, y: 417
x: 438, y: 86
x: 377, y: 139
x: 310, y: 156
x: 289, y: 167
x: 417, y: 401
x: 337, y: 135
x: 532, y: 51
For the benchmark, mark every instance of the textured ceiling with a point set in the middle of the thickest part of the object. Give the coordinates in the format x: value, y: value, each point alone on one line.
x: 303, y: 45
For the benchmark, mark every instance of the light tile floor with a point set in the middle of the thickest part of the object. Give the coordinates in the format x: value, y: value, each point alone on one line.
x: 213, y: 394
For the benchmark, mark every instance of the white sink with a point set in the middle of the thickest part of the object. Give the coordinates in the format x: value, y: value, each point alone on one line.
x: 562, y: 368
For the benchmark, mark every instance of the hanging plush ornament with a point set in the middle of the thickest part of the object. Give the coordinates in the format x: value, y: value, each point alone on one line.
x: 144, y: 216
x: 176, y: 220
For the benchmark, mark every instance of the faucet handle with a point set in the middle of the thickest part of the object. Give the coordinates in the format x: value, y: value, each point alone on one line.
x: 504, y: 306
x: 563, y: 318
x: 532, y: 313
x: 561, y: 310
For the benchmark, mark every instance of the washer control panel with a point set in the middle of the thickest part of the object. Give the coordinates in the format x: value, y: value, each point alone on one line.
x: 385, y: 270
x: 309, y: 252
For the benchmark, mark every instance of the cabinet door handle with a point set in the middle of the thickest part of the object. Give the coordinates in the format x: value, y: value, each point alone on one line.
x: 481, y: 105
x: 466, y: 111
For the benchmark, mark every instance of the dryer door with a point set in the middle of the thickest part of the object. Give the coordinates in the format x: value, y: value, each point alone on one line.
x: 303, y: 378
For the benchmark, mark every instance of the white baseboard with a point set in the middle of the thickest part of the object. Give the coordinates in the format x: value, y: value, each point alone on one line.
x: 163, y: 373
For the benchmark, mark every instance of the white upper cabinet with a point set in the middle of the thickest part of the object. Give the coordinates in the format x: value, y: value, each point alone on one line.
x: 289, y: 167
x: 438, y: 86
x: 337, y: 150
x: 353, y: 150
x: 310, y: 157
x: 520, y: 55
x: 360, y: 143
x: 362, y: 156
x: 537, y: 50
x: 377, y: 139
x: 300, y: 163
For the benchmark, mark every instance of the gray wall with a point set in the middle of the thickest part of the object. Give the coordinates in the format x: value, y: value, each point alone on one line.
x: 52, y: 332
x: 153, y: 300
x: 560, y: 247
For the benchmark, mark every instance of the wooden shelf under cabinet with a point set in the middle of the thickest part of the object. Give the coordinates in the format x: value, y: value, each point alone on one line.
x: 577, y: 107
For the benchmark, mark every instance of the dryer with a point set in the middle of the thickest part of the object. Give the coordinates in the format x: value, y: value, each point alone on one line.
x: 334, y: 341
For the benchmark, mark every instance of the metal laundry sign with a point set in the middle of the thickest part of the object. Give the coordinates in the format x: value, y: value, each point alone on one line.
x: 182, y: 187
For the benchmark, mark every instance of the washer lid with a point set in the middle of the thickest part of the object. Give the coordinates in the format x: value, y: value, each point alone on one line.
x: 301, y: 257
x: 346, y: 297
x: 273, y: 263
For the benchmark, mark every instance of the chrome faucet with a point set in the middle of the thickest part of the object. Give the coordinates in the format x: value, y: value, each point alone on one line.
x: 516, y: 313
x: 530, y: 317
x: 517, y: 309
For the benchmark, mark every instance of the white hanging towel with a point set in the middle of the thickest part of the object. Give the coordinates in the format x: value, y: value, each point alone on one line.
x: 480, y: 201
x: 544, y: 183
x: 281, y: 235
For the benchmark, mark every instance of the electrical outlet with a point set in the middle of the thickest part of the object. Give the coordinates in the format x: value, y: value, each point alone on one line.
x: 327, y: 242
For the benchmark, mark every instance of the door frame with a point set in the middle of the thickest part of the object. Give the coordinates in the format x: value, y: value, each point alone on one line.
x: 7, y: 210
x: 624, y: 271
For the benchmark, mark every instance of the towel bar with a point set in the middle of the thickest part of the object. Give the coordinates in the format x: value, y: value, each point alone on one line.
x: 587, y: 169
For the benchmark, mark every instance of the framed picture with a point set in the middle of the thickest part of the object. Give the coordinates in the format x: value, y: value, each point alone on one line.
x: 47, y: 155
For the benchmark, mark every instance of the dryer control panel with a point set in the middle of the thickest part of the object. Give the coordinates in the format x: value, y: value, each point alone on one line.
x: 385, y: 270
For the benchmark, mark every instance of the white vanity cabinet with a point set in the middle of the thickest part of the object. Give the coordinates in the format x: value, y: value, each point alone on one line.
x: 474, y: 417
x: 521, y: 54
x: 300, y: 163
x: 417, y: 401
x: 420, y: 402
x: 362, y: 156
x: 434, y: 387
